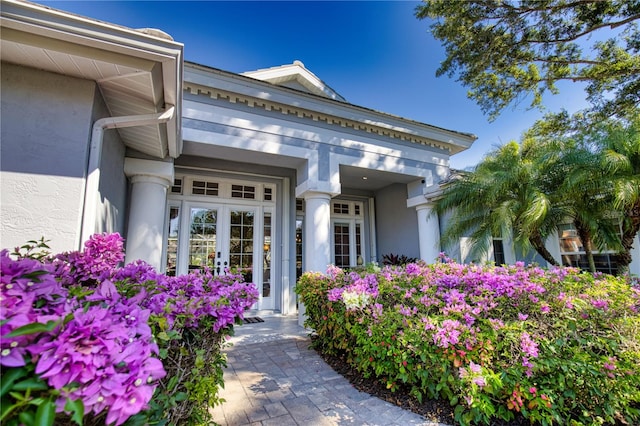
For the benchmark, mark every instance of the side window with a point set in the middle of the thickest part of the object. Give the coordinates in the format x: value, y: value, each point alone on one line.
x: 573, y: 254
x: 172, y: 239
x: 347, y: 221
x: 498, y: 252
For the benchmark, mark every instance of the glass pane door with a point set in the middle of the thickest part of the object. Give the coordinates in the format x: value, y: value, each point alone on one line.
x: 241, y: 242
x: 266, y: 294
x: 202, y: 237
x: 227, y: 238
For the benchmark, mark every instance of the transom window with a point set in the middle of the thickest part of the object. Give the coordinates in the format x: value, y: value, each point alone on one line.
x: 247, y: 192
x: 340, y: 208
x: 176, y: 188
x: 221, y: 188
x: 268, y: 194
x: 346, y: 208
x: 201, y: 187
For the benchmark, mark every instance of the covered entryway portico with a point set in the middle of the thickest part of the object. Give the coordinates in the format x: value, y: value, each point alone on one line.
x: 279, y: 174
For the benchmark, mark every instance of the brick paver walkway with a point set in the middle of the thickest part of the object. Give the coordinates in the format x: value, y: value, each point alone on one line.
x: 274, y: 378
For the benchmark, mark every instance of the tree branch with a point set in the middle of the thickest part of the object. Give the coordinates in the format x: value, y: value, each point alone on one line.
x: 611, y: 25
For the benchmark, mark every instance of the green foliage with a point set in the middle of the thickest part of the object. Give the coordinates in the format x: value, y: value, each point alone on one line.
x: 506, y: 50
x: 189, y: 342
x: 503, y: 196
x: 24, y: 393
x: 582, y: 366
x: 194, y: 362
x: 397, y: 259
x: 589, y: 177
x: 334, y: 333
x: 594, y: 173
x: 33, y: 249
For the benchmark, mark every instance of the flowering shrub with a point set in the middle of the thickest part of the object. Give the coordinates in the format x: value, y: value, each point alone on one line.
x: 85, y: 340
x: 556, y: 346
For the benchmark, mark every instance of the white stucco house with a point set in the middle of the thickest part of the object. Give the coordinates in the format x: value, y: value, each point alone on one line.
x: 109, y: 129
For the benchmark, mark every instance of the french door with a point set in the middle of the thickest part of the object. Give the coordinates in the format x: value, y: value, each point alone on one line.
x: 228, y: 239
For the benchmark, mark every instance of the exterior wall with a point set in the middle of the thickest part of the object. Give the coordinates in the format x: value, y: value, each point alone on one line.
x: 396, y: 225
x: 46, y: 121
x: 111, y: 215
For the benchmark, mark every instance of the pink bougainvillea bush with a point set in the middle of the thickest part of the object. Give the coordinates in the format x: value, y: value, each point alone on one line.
x: 554, y: 346
x: 87, y: 341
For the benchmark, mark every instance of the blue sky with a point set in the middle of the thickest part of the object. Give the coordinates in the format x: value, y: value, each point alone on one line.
x: 375, y: 54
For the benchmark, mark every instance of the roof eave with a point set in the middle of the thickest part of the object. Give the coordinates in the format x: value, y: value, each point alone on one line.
x: 32, y: 18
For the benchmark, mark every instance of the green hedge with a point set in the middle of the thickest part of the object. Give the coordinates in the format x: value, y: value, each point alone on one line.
x: 555, y: 346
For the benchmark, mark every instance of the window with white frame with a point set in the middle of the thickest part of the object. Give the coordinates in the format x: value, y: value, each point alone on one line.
x: 347, y: 224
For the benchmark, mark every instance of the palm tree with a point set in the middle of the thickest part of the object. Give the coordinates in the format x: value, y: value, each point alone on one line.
x: 559, y: 158
x: 594, y: 179
x: 620, y: 159
x: 590, y: 176
x: 501, y: 196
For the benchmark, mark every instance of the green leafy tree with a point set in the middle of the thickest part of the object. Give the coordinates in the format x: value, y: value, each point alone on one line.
x: 526, y: 190
x: 504, y: 50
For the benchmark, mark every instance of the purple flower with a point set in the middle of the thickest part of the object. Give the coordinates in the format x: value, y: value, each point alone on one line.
x: 28, y: 294
x: 475, y: 368
x: 480, y: 381
x: 107, y: 354
x: 601, y: 304
x: 448, y: 334
x: 103, y: 353
x: 102, y: 254
x: 528, y: 346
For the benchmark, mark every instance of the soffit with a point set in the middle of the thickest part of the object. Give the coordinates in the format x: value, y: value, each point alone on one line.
x: 371, y: 180
x: 130, y: 84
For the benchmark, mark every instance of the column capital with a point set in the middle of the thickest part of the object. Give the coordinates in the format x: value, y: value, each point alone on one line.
x: 420, y: 202
x: 309, y: 195
x: 158, y: 171
x: 318, y: 187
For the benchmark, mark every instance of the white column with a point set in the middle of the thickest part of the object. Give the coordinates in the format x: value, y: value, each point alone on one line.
x: 428, y: 233
x: 317, y: 227
x: 149, y: 183
x: 317, y: 236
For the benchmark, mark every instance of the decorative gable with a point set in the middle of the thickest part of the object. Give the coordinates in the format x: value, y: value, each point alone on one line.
x: 295, y: 76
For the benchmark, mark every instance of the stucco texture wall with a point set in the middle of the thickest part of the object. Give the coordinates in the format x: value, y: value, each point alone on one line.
x: 113, y: 187
x: 46, y: 121
x: 396, y: 225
